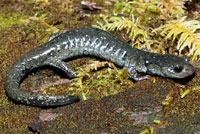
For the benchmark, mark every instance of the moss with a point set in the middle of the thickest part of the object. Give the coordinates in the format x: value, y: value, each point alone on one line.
x: 8, y: 21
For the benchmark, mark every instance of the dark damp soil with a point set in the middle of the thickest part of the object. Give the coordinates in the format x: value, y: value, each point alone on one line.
x: 111, y: 103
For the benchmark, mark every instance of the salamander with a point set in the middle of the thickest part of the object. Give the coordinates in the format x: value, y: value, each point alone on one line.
x: 88, y: 42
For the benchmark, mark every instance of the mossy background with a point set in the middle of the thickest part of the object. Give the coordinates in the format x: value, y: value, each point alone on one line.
x: 110, y: 101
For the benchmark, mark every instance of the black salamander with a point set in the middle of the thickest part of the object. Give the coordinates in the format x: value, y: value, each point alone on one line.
x: 93, y: 42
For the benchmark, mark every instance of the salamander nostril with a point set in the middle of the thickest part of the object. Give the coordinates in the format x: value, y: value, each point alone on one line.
x: 178, y: 69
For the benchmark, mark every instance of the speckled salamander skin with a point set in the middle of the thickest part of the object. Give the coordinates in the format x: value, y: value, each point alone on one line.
x: 94, y: 42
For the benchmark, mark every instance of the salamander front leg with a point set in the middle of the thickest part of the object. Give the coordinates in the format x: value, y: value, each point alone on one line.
x: 134, y: 75
x: 61, y: 65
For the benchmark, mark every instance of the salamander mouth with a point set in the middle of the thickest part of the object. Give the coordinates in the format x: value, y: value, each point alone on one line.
x: 178, y: 72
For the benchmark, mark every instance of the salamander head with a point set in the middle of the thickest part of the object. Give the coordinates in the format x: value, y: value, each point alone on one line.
x: 170, y: 66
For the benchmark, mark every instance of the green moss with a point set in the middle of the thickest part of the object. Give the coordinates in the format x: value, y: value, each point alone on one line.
x: 8, y: 21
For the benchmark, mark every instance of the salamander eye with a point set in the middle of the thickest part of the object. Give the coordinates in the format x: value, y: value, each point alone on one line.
x: 178, y: 69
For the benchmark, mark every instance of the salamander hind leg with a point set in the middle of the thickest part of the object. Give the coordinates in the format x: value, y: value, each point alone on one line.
x: 61, y: 65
